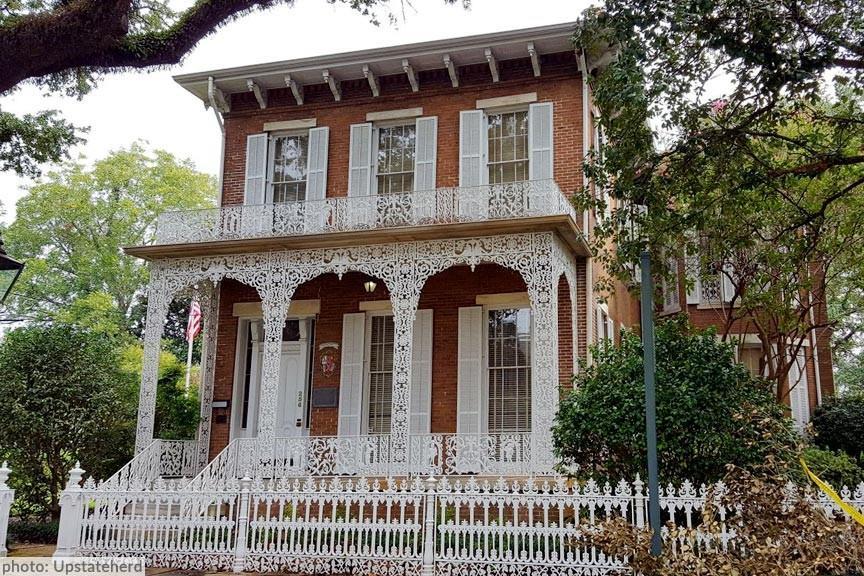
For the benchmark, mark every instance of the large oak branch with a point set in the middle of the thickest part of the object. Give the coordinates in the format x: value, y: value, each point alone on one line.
x: 95, y: 34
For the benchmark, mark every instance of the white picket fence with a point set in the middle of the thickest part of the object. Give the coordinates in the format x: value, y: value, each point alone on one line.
x: 361, y: 526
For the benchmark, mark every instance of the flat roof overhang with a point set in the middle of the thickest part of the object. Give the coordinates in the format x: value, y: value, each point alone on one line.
x: 562, y: 225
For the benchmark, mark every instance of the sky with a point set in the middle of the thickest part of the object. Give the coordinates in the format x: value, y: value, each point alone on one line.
x: 151, y: 107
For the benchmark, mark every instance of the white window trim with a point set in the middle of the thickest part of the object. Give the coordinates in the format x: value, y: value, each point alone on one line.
x: 237, y: 385
x: 376, y: 126
x: 302, y: 124
x: 502, y: 110
x: 271, y: 160
x: 503, y: 101
x: 405, y: 114
x: 484, y: 384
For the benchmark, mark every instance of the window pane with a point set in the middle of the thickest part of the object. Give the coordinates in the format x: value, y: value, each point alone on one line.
x: 395, y: 161
x: 290, y: 157
x: 380, y: 375
x: 509, y: 370
x: 507, y: 153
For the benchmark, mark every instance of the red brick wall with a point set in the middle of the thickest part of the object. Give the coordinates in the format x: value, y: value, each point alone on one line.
x: 343, y: 296
x: 560, y: 84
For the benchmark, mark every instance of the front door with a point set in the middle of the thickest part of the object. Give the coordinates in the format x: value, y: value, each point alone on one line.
x: 293, y: 375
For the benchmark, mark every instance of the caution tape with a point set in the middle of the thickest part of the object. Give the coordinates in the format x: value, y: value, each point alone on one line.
x: 847, y: 508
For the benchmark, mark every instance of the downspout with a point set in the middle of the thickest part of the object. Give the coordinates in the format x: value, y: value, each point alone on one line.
x: 589, y: 272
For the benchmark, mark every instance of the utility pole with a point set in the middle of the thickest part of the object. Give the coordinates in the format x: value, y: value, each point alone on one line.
x: 649, y: 362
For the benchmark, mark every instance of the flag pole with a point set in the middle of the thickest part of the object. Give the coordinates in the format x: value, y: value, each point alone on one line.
x: 189, y: 365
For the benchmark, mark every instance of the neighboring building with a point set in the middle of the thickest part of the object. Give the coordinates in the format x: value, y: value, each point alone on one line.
x: 395, y: 282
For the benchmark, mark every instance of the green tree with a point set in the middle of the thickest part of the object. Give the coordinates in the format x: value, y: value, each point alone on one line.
x: 71, y: 229
x: 740, y: 125
x: 66, y: 45
x: 710, y: 411
x: 62, y: 398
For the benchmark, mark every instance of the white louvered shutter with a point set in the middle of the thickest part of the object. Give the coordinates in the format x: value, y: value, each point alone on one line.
x: 316, y: 180
x: 473, y: 202
x: 360, y: 160
x: 316, y: 170
x: 361, y: 210
x: 727, y: 277
x: 424, y: 199
x: 540, y: 138
x: 799, y: 397
x: 470, y: 370
x: 352, y: 374
x: 421, y: 374
x: 694, y: 282
x: 256, y: 169
x: 670, y: 288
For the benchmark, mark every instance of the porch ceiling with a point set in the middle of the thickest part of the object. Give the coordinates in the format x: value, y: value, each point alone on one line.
x: 562, y: 224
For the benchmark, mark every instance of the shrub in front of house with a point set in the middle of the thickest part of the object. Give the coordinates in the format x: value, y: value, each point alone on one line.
x: 838, y: 425
x: 710, y: 411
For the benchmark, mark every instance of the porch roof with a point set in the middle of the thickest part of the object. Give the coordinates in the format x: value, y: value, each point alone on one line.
x: 384, y: 61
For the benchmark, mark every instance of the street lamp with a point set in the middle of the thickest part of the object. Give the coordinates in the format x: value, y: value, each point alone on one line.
x: 10, y: 269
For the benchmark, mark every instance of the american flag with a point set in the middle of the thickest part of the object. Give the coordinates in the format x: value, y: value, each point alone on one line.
x: 193, y: 327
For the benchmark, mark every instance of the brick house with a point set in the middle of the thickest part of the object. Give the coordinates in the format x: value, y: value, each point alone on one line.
x: 395, y: 260
x: 395, y: 286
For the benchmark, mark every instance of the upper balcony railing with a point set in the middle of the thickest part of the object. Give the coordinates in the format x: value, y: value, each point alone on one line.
x: 355, y: 213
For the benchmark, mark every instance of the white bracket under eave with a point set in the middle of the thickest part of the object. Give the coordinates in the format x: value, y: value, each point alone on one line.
x: 335, y: 88
x: 296, y: 89
x: 535, y: 59
x: 373, y: 80
x: 412, y: 78
x: 260, y: 95
x: 493, y: 64
x: 451, y: 69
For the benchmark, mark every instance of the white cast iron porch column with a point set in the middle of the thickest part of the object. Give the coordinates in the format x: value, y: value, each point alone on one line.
x: 543, y: 291
x: 209, y: 300
x: 404, y: 313
x: 274, y: 309
x: 157, y: 308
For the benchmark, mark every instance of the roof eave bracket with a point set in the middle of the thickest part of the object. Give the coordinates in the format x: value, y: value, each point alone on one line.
x: 373, y: 80
x: 296, y: 89
x: 335, y: 88
x: 493, y: 64
x: 451, y: 69
x: 412, y: 78
x: 260, y: 95
x: 535, y: 59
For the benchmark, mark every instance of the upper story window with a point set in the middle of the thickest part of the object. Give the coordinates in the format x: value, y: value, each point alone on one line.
x: 395, y: 158
x: 507, y: 147
x: 288, y: 168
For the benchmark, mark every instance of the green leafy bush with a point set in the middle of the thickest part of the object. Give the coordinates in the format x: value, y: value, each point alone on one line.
x: 837, y: 468
x: 33, y: 532
x: 710, y: 411
x: 838, y: 424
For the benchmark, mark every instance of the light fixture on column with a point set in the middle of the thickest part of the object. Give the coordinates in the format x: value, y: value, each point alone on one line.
x: 370, y: 286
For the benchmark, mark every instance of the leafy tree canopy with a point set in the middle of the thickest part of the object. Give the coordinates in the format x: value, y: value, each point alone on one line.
x: 740, y: 125
x: 71, y: 227
x: 710, y: 411
x: 61, y: 395
x: 66, y: 45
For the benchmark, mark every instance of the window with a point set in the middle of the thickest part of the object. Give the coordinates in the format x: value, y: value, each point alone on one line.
x: 507, y: 138
x: 751, y: 358
x: 288, y: 168
x: 605, y: 325
x: 380, y: 389
x: 509, y: 370
x: 395, y: 158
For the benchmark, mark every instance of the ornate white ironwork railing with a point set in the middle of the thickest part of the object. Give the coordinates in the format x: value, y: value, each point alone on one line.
x: 428, y: 454
x: 408, y: 526
x: 162, y: 459
x: 344, y: 214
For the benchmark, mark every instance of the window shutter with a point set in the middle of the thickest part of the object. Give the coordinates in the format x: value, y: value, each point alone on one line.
x: 421, y: 374
x: 469, y: 377
x: 694, y: 283
x: 799, y: 397
x: 726, y: 276
x: 540, y: 138
x: 426, y: 153
x: 316, y: 184
x: 471, y: 139
x: 352, y: 373
x: 360, y: 160
x: 256, y: 169
x: 670, y: 288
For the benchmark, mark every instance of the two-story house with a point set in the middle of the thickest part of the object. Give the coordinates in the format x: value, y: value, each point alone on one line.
x: 395, y: 284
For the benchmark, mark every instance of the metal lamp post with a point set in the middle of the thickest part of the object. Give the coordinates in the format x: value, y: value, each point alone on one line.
x: 649, y: 362
x: 10, y: 269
